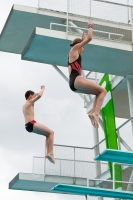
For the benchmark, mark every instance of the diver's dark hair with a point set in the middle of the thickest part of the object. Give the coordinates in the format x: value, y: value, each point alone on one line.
x: 76, y: 41
x: 27, y: 94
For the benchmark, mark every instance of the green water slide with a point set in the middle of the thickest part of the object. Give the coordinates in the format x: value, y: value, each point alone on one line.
x: 108, y: 117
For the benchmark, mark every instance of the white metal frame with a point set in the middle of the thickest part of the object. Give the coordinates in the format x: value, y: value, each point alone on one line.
x: 85, y: 29
x: 90, y: 100
x: 110, y: 180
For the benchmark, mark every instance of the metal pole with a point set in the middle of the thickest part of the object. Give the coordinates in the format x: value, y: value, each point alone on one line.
x: 60, y: 167
x: 97, y: 152
x: 38, y: 4
x: 74, y: 179
x: 96, y: 77
x: 90, y: 8
x: 119, y: 143
x: 130, y: 96
x: 113, y: 176
x: 87, y: 198
x: 67, y: 19
x: 132, y: 25
x: 33, y: 166
x: 44, y: 161
x: 128, y: 12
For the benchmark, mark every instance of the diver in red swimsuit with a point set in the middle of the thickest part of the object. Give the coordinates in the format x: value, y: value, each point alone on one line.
x: 32, y: 126
x: 79, y: 84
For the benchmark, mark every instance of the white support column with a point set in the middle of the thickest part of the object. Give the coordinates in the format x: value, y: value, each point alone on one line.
x: 96, y: 152
x: 130, y: 96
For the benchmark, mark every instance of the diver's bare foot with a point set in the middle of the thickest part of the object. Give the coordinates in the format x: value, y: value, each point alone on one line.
x: 92, y: 119
x: 95, y: 118
x: 50, y: 157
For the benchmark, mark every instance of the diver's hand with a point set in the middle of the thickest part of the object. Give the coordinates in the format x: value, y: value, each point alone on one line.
x: 42, y: 87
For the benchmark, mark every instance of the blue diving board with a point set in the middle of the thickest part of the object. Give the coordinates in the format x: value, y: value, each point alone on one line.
x: 111, y: 155
x: 80, y: 190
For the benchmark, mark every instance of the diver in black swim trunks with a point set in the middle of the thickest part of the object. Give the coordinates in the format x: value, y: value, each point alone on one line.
x: 79, y: 84
x: 32, y: 126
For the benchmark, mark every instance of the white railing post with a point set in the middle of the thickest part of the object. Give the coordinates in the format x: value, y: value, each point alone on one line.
x: 38, y: 4
x: 128, y: 12
x: 44, y: 161
x: 67, y: 19
x: 33, y: 166
x: 113, y: 176
x: 74, y: 161
x: 60, y: 167
x: 96, y: 77
x: 90, y: 8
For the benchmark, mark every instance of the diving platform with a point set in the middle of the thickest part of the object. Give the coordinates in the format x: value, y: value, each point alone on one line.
x: 41, y: 182
x: 26, y: 24
x: 91, y: 191
x: 36, y: 34
x: 109, y: 155
x: 78, y: 172
x: 117, y: 156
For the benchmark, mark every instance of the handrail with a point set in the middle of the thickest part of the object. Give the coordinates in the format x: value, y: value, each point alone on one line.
x: 109, y: 33
x: 63, y: 159
x: 124, y: 123
x: 115, y: 3
x: 80, y: 147
x: 109, y: 180
x: 91, y: 148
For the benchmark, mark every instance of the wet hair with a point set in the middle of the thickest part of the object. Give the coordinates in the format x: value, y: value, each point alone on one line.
x: 76, y: 41
x: 27, y: 94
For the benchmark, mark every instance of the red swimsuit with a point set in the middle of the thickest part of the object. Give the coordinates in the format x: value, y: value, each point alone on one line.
x: 76, y: 71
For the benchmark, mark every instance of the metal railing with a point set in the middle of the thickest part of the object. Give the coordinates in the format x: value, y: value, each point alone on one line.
x: 85, y: 29
x: 120, y: 139
x: 91, y: 8
x: 73, y: 160
x: 69, y: 161
x: 69, y: 158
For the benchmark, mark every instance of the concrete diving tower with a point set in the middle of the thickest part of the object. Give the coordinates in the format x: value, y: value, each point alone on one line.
x: 27, y: 32
x: 74, y: 166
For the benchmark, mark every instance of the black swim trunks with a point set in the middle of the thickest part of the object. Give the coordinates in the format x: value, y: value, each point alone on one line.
x: 76, y: 71
x: 29, y: 126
